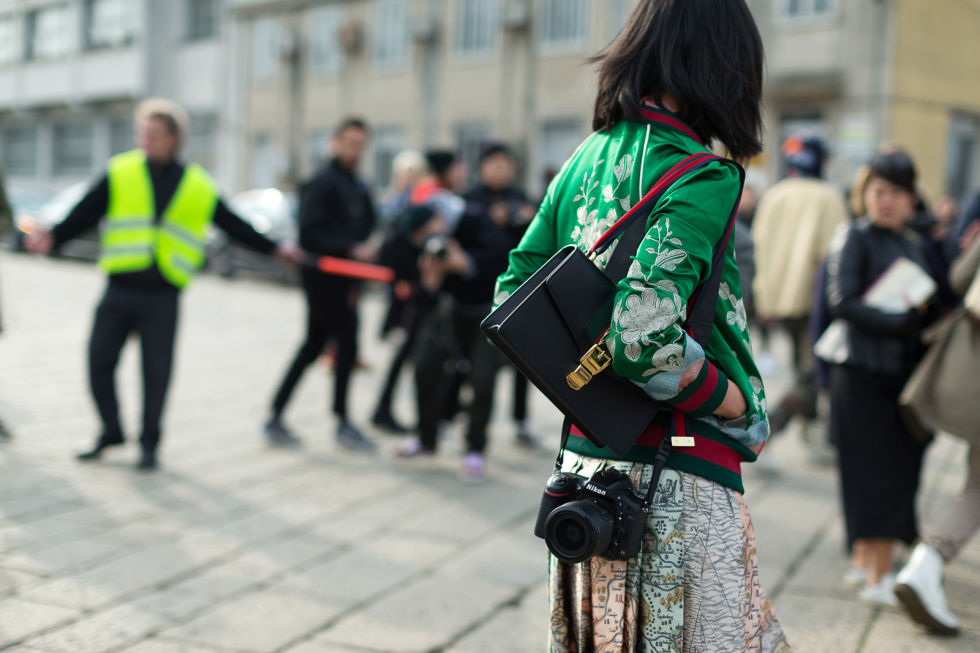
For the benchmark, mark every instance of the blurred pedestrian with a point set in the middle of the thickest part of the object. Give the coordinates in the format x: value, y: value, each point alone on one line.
x: 880, y: 460
x: 155, y: 214
x: 792, y: 230
x: 6, y: 224
x: 954, y: 409
x: 497, y: 195
x: 456, y: 278
x: 964, y: 227
x: 336, y: 217
x: 401, y: 251
x: 407, y: 168
x: 681, y: 74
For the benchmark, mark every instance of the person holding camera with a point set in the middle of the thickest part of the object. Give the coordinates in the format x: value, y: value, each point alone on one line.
x: 456, y: 277
x: 677, y: 570
x: 507, y: 206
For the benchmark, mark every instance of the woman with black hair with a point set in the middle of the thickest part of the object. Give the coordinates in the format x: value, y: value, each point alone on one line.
x: 880, y: 461
x: 681, y: 75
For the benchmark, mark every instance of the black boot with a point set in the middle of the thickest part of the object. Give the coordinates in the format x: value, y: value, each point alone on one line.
x: 148, y: 461
x: 385, y: 421
x: 103, y: 443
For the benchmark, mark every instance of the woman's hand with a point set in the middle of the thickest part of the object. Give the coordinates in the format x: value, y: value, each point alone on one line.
x: 734, y: 404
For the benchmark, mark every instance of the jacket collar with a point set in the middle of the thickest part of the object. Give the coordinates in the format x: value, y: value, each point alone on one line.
x: 658, y: 115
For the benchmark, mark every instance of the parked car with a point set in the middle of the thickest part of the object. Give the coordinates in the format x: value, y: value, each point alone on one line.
x: 36, y: 208
x: 271, y: 213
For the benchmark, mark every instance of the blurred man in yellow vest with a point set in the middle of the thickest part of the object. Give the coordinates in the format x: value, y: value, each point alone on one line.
x: 155, y: 214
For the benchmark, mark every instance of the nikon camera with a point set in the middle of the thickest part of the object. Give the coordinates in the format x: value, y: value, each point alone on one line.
x: 601, y: 516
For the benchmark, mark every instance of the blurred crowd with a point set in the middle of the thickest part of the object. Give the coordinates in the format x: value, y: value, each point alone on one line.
x: 814, y: 259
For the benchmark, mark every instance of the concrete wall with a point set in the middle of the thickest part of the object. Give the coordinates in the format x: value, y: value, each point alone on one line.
x: 931, y: 82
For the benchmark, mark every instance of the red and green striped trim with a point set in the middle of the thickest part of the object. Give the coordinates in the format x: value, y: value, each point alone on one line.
x: 704, y: 394
x: 654, y: 114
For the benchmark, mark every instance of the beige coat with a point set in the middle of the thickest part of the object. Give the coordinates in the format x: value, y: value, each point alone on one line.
x: 792, y: 231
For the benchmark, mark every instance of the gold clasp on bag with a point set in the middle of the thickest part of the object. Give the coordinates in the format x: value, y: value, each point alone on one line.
x: 594, y: 361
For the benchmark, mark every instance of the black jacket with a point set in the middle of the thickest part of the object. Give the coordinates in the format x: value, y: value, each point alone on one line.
x: 92, y: 208
x: 335, y: 212
x: 877, y: 341
x: 481, y: 197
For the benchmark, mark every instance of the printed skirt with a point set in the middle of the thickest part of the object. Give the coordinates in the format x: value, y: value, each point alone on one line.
x: 694, y: 588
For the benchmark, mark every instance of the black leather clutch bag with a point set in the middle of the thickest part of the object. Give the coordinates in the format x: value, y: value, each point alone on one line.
x: 553, y: 326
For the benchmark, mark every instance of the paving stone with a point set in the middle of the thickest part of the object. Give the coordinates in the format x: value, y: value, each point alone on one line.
x: 818, y: 624
x: 422, y: 616
x: 367, y: 569
x: 100, y: 632
x: 61, y: 557
x: 892, y: 632
x: 166, y: 646
x: 514, y: 628
x: 262, y: 621
x: 19, y: 619
x: 13, y: 581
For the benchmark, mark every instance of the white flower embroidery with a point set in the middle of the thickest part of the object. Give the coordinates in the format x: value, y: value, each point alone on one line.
x: 500, y: 297
x: 668, y: 357
x: 758, y: 394
x: 736, y: 316
x: 667, y: 258
x: 640, y: 316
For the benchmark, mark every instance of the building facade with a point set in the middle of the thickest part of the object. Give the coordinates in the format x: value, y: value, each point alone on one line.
x: 861, y: 73
x: 72, y: 71
x: 425, y: 73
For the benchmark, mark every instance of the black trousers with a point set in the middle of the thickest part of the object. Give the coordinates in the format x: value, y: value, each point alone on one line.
x: 416, y: 317
x: 451, y: 346
x: 331, y: 314
x: 152, y: 315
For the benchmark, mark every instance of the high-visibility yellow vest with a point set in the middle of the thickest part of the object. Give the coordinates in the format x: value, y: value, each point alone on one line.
x: 131, y: 242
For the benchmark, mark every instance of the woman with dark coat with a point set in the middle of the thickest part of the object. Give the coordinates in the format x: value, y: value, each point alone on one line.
x: 880, y: 461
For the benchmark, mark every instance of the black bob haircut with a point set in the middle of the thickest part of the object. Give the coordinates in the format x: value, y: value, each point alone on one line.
x: 351, y: 123
x: 894, y: 167
x: 705, y: 54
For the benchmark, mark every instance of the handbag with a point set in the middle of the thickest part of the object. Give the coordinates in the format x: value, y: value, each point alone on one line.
x: 553, y: 327
x: 941, y: 394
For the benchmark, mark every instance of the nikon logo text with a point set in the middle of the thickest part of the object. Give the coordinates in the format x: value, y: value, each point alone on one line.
x: 593, y: 488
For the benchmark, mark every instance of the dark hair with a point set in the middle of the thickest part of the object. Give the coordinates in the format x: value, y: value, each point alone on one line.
x: 705, y: 54
x: 439, y: 161
x: 493, y: 148
x: 895, y: 167
x: 351, y: 123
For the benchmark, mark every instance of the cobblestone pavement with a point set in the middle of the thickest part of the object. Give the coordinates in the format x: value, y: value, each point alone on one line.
x: 233, y: 546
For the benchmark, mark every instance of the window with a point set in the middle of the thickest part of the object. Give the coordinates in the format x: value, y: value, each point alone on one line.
x: 391, y: 32
x: 803, y: 9
x: 202, y: 19
x: 201, y: 139
x: 265, y: 48
x: 619, y: 11
x: 263, y: 161
x: 387, y: 142
x: 319, y: 147
x: 963, y: 155
x: 559, y: 138
x: 476, y: 26
x: 10, y: 45
x: 565, y: 23
x: 470, y: 137
x: 72, y: 148
x: 50, y: 33
x: 326, y: 55
x: 108, y: 23
x: 121, y: 135
x: 20, y: 150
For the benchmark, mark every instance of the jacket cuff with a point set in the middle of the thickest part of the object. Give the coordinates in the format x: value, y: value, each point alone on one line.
x: 704, y: 395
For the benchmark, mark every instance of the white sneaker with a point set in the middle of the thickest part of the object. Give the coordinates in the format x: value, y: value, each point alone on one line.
x: 883, y: 593
x: 855, y: 577
x: 919, y: 588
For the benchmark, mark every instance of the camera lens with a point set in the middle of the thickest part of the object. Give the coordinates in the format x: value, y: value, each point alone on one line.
x: 578, y: 530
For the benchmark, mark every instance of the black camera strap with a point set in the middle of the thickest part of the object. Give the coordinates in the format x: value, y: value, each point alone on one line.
x: 659, y: 461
